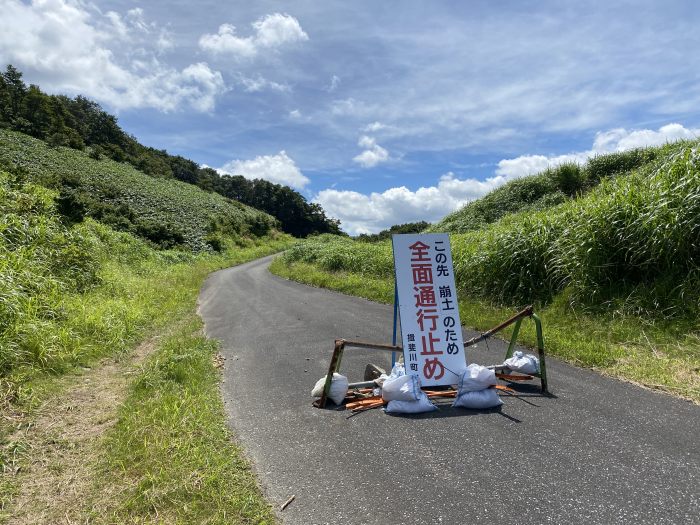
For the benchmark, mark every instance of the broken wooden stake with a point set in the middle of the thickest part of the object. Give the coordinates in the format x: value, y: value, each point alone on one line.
x: 286, y: 503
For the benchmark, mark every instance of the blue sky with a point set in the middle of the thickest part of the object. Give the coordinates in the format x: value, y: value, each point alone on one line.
x: 384, y: 112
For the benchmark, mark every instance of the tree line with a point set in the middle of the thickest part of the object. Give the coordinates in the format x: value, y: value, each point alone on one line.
x: 409, y: 227
x: 81, y: 123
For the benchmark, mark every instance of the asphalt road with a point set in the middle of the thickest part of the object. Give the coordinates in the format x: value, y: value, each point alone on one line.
x: 598, y: 451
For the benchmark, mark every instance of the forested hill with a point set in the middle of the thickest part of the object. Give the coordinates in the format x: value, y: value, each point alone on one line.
x: 81, y: 123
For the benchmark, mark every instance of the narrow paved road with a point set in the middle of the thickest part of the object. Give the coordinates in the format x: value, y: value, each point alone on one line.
x: 600, y: 451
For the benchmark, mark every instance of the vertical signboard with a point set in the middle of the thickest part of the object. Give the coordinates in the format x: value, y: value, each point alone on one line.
x: 430, y: 327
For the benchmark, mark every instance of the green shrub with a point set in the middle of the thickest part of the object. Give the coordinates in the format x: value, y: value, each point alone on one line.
x: 604, y: 166
x: 570, y: 178
x: 40, y: 260
x: 637, y: 238
x: 509, y: 262
x: 631, y: 244
x: 340, y: 253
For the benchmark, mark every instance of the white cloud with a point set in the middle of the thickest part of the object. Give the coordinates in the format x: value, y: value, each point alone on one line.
x: 277, y: 29
x: 295, y: 114
x: 280, y: 169
x: 360, y: 213
x: 270, y: 32
x: 335, y: 82
x: 69, y: 46
x: 618, y: 139
x: 200, y: 85
x: 347, y: 107
x: 374, y: 127
x: 372, y: 155
x: 258, y: 83
x: 530, y: 164
x: 226, y: 41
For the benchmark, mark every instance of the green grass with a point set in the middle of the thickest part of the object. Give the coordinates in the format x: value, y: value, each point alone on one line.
x: 136, y: 295
x: 166, y: 212
x: 170, y: 458
x: 372, y: 288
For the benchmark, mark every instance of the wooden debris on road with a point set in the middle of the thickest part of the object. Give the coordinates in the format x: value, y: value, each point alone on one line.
x: 286, y: 503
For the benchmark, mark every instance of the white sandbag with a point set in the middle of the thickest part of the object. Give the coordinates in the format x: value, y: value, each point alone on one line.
x: 479, y: 399
x: 338, y: 390
x: 422, y: 404
x: 401, y: 388
x: 475, y: 377
x: 523, y: 363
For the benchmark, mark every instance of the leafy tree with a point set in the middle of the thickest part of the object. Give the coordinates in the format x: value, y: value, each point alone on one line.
x: 409, y: 227
x: 184, y: 169
x: 36, y: 108
x: 15, y: 89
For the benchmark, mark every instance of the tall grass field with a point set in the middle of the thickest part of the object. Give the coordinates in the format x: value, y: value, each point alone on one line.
x: 614, y: 267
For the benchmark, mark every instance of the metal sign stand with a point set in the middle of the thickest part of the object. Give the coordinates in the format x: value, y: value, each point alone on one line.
x: 517, y: 319
x: 396, y: 318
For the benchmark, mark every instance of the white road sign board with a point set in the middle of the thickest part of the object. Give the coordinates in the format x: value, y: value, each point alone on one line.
x: 430, y: 326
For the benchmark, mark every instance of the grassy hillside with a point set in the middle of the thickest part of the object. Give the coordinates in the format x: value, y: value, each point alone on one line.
x: 549, y: 188
x: 620, y: 263
x: 166, y: 212
x: 71, y: 294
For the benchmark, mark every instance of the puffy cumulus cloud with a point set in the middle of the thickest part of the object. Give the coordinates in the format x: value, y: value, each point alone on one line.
x: 360, y: 213
x: 280, y: 169
x: 277, y: 29
x: 372, y: 155
x: 618, y: 139
x: 70, y: 46
x: 371, y: 213
x: 226, y: 41
x: 199, y: 85
x: 269, y: 32
x: 529, y: 164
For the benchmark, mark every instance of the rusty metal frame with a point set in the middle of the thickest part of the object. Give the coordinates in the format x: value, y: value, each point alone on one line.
x: 336, y: 358
x: 517, y: 319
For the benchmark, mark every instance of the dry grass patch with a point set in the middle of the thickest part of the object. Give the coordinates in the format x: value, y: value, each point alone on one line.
x: 62, y: 440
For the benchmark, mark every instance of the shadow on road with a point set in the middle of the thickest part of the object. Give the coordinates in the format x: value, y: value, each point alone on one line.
x: 445, y: 410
